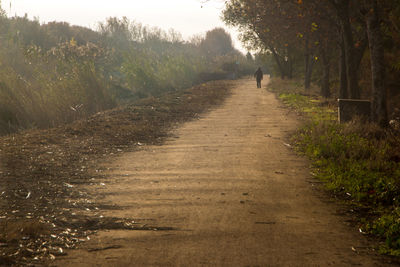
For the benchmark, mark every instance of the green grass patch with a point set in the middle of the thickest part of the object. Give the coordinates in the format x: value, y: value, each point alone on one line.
x: 357, y: 161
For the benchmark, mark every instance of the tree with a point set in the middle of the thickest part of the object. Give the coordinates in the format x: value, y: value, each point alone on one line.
x: 350, y: 52
x: 376, y: 46
x: 285, y: 28
x: 256, y: 20
x: 116, y: 32
x: 317, y: 35
x: 217, y: 42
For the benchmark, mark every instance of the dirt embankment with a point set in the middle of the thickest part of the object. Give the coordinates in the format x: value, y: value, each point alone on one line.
x: 42, y: 172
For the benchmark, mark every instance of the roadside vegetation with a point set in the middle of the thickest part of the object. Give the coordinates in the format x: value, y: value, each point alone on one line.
x: 357, y: 161
x: 55, y: 73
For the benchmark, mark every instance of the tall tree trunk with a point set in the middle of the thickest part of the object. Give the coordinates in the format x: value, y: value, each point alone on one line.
x: 343, y: 93
x: 307, y: 78
x: 351, y: 68
x: 278, y: 62
x: 290, y: 68
x: 360, y: 50
x: 326, y: 67
x: 290, y: 62
x: 379, y: 110
x: 309, y: 69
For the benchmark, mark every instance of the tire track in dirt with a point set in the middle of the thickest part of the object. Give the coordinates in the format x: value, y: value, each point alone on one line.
x: 231, y: 190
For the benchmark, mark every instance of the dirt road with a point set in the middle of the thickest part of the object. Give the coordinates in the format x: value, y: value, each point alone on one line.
x: 232, y: 190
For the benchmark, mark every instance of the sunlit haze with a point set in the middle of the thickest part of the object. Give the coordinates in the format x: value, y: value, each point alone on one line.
x: 189, y: 17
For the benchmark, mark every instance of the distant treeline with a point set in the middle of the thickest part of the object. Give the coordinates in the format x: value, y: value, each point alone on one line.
x: 55, y: 73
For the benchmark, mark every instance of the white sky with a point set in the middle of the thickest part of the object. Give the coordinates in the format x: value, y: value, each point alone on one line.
x: 189, y: 17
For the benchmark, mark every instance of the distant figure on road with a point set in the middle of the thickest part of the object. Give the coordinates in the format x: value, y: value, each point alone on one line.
x: 259, y: 76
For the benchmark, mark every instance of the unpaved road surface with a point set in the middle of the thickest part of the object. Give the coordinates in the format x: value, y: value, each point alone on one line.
x: 232, y: 190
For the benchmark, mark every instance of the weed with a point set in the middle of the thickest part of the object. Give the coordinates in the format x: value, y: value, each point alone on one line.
x: 387, y: 226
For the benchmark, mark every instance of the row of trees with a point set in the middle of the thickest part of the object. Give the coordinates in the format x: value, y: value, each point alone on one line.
x: 54, y: 73
x: 344, y: 31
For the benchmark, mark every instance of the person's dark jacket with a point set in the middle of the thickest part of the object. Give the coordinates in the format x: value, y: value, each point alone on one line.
x: 258, y: 74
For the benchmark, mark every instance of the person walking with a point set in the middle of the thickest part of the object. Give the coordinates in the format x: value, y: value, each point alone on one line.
x: 259, y: 76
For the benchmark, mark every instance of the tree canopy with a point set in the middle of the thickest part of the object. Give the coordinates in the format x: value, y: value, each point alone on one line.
x: 339, y: 37
x: 217, y: 42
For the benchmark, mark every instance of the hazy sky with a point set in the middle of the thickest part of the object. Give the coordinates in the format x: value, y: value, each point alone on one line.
x: 188, y: 17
